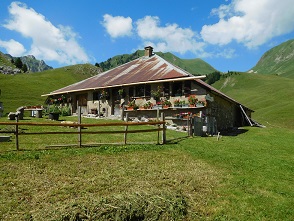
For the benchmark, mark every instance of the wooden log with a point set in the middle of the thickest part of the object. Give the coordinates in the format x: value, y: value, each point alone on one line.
x: 83, y: 125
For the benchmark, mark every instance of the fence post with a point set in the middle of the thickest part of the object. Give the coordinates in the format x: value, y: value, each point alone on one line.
x: 158, y: 131
x: 157, y: 114
x: 79, y: 127
x: 126, y: 129
x: 163, y: 128
x: 16, y: 134
x: 189, y: 125
x: 122, y: 112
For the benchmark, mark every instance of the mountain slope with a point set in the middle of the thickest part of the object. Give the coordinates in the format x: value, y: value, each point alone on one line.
x: 4, y: 60
x: 26, y: 89
x: 269, y: 96
x: 278, y: 60
x: 35, y: 65
x: 194, y: 66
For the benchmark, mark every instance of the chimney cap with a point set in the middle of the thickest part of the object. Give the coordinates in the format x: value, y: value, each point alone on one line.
x: 148, y: 51
x: 148, y: 47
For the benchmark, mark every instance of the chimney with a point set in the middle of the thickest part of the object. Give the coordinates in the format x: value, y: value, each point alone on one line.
x: 148, y: 51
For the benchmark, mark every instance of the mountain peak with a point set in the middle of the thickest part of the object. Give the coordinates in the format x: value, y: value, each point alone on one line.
x: 34, y: 65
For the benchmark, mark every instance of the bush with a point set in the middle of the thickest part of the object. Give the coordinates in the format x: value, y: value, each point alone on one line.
x: 65, y: 111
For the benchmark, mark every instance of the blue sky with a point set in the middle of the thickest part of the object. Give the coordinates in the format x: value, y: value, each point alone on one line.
x: 228, y: 34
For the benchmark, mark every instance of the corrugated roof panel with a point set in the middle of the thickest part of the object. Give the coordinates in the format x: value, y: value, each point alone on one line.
x: 140, y: 70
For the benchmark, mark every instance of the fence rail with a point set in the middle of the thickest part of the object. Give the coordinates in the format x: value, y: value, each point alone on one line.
x: 160, y: 128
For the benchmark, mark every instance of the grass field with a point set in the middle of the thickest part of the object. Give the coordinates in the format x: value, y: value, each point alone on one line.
x: 248, y: 176
x: 271, y: 97
x: 26, y: 89
x: 244, y: 177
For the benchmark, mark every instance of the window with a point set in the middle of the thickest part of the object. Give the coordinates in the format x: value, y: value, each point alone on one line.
x: 95, y: 95
x: 115, y: 95
x: 187, y: 87
x: 140, y: 90
x: 166, y: 88
x: 147, y: 90
x: 177, y: 88
x: 131, y: 92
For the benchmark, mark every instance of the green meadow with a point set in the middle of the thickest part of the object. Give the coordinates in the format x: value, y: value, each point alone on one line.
x: 247, y: 175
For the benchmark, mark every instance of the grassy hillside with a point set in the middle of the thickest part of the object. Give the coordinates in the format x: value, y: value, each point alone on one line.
x: 26, y: 89
x: 4, y: 61
x: 278, y: 60
x: 270, y: 96
x: 194, y: 66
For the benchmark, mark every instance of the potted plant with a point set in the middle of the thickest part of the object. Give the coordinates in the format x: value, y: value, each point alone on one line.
x: 156, y: 94
x: 166, y: 103
x: 177, y: 103
x: 132, y: 105
x: 122, y: 93
x: 147, y: 105
x: 192, y: 100
x: 184, y: 104
x: 54, y: 112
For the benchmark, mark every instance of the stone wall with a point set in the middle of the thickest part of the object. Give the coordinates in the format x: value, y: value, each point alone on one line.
x: 223, y: 111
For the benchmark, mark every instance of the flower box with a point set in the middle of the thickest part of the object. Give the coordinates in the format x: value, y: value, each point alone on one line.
x: 130, y: 108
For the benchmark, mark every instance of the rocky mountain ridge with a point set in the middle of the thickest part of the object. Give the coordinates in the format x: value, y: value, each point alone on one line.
x: 7, y: 65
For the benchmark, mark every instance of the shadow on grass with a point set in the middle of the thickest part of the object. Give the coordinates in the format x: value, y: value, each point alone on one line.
x: 176, y: 140
x: 233, y: 132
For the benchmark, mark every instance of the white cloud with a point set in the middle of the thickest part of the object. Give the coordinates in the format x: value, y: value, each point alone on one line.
x: 117, y: 26
x: 169, y: 38
x: 13, y: 47
x: 250, y: 22
x: 48, y: 41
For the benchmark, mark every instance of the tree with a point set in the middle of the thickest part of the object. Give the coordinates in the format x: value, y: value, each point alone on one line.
x: 24, y: 68
x: 212, y: 77
x: 18, y: 63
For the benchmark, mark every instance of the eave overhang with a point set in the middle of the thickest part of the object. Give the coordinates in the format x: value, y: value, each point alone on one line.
x: 129, y: 84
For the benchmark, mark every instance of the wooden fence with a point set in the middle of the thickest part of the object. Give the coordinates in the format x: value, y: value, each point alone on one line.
x: 160, y: 128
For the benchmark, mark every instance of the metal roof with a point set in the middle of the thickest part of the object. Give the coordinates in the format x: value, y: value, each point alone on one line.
x: 209, y: 87
x: 143, y: 70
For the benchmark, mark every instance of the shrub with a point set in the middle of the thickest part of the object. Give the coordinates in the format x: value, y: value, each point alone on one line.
x: 65, y: 111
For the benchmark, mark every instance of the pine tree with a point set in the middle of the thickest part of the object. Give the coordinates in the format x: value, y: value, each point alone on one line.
x: 18, y: 63
x: 24, y: 68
